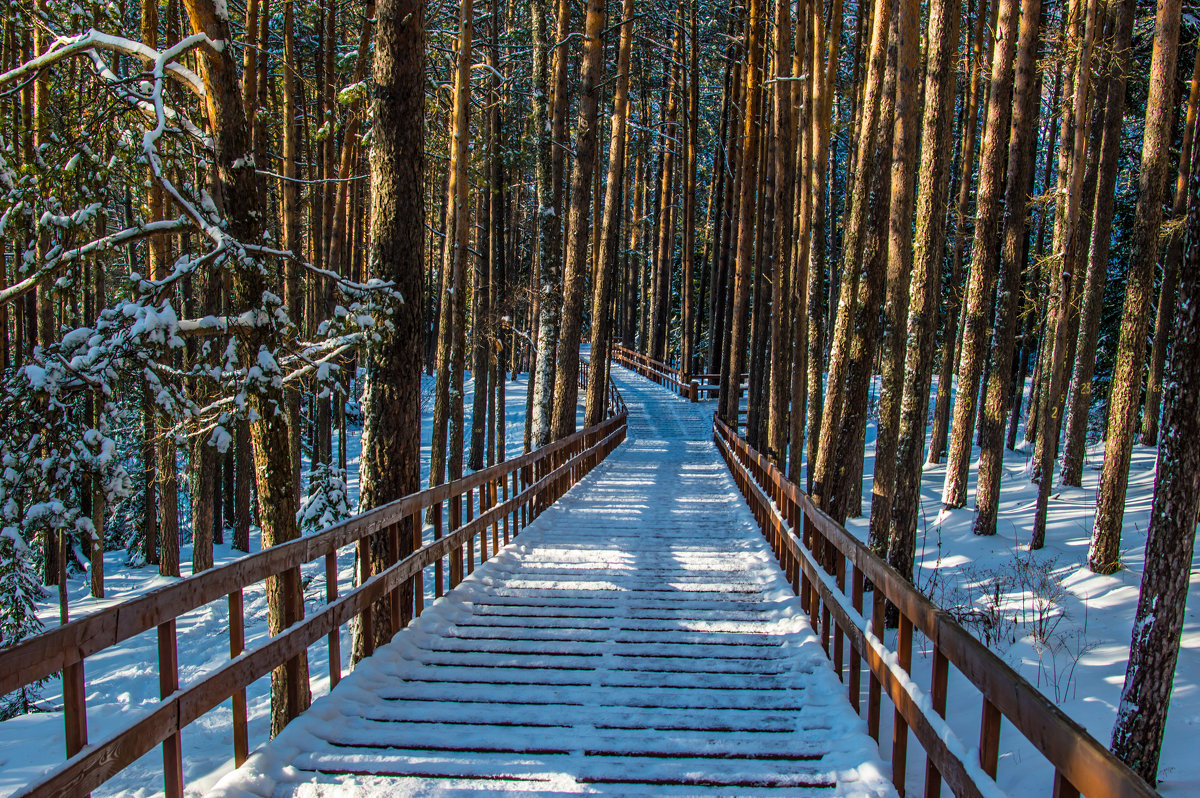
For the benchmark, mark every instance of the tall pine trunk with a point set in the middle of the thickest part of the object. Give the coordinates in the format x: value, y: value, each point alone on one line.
x: 566, y: 379
x: 1105, y: 552
x: 981, y: 285
x: 1170, y: 540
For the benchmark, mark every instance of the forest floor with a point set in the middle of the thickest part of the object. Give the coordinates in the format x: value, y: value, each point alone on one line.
x: 1062, y: 627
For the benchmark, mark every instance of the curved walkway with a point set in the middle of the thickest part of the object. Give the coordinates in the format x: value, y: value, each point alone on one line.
x: 637, y: 639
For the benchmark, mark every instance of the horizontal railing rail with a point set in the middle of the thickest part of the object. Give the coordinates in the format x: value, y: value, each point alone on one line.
x: 509, y: 496
x: 819, y: 555
x: 662, y: 373
x: 693, y: 386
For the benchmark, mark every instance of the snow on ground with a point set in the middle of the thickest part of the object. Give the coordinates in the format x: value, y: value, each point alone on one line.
x: 1062, y: 627
x: 122, y: 682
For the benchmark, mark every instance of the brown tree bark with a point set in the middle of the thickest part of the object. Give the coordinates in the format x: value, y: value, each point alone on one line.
x: 448, y: 394
x: 1104, y: 555
x: 827, y: 49
x: 905, y: 135
x: 846, y: 493
x: 664, y: 253
x: 268, y: 432
x: 852, y: 257
x: 970, y: 133
x: 998, y: 388
x: 601, y: 336
x: 391, y: 444
x: 1058, y: 324
x: 548, y: 167
x: 1170, y: 281
x: 929, y: 246
x: 781, y: 299
x: 1080, y: 399
x: 1170, y: 540
x: 735, y: 358
x: 566, y: 378
x: 981, y: 284
x: 691, y: 135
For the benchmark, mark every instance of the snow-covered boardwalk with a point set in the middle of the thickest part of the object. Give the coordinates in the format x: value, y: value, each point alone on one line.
x: 636, y: 639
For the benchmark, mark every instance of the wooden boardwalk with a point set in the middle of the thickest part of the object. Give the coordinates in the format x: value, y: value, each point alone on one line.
x: 638, y: 638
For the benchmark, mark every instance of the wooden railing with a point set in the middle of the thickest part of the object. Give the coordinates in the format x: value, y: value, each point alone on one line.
x: 508, y: 496
x: 693, y: 386
x: 614, y: 404
x: 819, y: 556
x: 662, y: 373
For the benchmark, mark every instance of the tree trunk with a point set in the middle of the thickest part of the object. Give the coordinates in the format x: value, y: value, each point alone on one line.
x: 691, y: 128
x: 448, y: 393
x: 1170, y: 280
x: 1080, y: 399
x: 929, y: 246
x: 268, y: 432
x: 1021, y: 151
x: 391, y: 441
x: 981, y: 285
x: 549, y: 232
x: 1157, y: 625
x: 852, y: 252
x: 1104, y: 556
x: 970, y: 135
x: 846, y: 493
x: 1058, y: 329
x: 735, y: 358
x: 566, y: 378
x: 610, y: 226
x: 905, y: 135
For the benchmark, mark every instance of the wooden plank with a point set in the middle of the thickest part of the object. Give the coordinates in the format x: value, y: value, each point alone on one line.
x: 335, y: 637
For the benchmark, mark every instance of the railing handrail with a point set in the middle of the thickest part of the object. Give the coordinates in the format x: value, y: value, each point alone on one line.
x: 107, y: 627
x: 64, y: 648
x: 1078, y: 758
x: 656, y: 370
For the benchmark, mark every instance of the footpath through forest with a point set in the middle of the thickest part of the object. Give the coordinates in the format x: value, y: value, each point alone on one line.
x: 637, y: 638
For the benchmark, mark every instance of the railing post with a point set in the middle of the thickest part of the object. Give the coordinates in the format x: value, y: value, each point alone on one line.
x: 419, y: 576
x: 989, y: 738
x: 456, y: 560
x: 878, y: 609
x: 366, y: 618
x: 899, y: 725
x: 438, y: 574
x: 493, y: 500
x: 470, y: 502
x: 856, y: 600
x: 74, y: 707
x: 237, y: 644
x: 393, y: 542
x: 941, y: 669
x: 168, y: 683
x: 335, y: 639
x: 1062, y: 787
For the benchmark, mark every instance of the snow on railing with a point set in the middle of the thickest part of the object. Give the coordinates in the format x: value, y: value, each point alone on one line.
x: 816, y: 552
x: 509, y: 496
